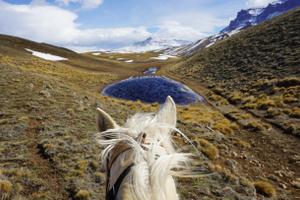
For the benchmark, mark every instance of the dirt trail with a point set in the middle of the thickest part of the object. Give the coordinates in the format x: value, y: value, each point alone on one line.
x: 273, y: 155
x: 46, y: 169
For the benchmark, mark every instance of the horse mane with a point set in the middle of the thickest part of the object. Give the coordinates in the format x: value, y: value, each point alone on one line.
x: 155, y: 160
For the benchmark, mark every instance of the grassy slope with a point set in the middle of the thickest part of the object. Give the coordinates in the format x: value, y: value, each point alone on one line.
x: 105, y: 62
x: 81, y: 61
x: 47, y: 125
x: 257, y: 69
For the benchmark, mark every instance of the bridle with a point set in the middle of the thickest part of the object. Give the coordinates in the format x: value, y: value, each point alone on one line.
x: 113, y: 192
x: 119, y: 149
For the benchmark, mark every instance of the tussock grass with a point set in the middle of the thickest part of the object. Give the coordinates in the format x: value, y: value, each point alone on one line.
x: 225, y: 126
x: 272, y: 112
x: 5, y: 186
x: 257, y: 126
x: 204, y: 115
x: 100, y: 177
x: 294, y: 112
x: 265, y: 188
x: 226, y: 173
x: 243, y: 144
x: 265, y: 103
x: 236, y: 97
x: 210, y: 150
x: 17, y: 172
x: 83, y: 195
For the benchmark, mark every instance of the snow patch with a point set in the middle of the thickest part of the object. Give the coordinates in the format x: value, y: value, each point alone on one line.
x: 96, y: 54
x: 234, y: 32
x: 278, y: 2
x: 210, y: 44
x: 274, y: 15
x: 46, y: 56
x: 163, y: 57
x: 129, y: 61
x: 255, y: 11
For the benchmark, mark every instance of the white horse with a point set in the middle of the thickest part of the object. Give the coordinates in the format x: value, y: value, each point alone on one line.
x: 140, y: 158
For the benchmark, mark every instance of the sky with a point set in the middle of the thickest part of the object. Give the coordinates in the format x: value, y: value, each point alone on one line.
x: 105, y: 24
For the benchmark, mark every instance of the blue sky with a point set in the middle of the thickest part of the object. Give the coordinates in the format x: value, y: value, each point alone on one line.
x: 116, y: 23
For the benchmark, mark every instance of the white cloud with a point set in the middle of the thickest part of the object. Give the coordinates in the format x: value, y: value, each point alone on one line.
x: 38, y: 22
x: 85, y: 4
x: 258, y: 3
x: 191, y: 25
x: 43, y: 22
x: 54, y: 25
x: 175, y: 30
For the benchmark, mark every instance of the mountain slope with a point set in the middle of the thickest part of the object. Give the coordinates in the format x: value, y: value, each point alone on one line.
x: 258, y: 69
x: 244, y: 19
x: 47, y: 129
x: 153, y: 43
x: 191, y: 48
x: 15, y: 46
x: 254, y: 16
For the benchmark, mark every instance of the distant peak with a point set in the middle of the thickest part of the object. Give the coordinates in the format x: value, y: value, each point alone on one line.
x: 254, y: 16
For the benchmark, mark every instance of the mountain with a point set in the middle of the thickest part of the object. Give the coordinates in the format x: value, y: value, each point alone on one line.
x: 244, y: 19
x: 154, y: 43
x: 191, y: 48
x: 161, y: 42
x: 255, y: 72
x: 256, y: 69
x: 254, y: 16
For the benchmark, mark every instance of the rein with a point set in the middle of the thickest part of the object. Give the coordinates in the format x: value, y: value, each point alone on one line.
x: 119, y: 149
x: 113, y: 192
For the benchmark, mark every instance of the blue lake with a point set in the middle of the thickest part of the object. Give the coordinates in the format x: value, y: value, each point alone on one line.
x: 152, y: 89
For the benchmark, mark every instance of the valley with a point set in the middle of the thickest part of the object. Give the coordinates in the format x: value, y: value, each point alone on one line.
x: 246, y: 130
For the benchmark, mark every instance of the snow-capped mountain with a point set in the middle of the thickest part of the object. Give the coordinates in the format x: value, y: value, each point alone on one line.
x: 254, y: 16
x: 191, y: 48
x: 151, y: 44
x: 151, y: 41
x: 156, y: 43
x: 244, y: 19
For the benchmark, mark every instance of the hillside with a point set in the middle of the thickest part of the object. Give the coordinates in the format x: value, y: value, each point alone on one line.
x: 254, y: 16
x: 47, y: 127
x: 47, y: 119
x: 256, y: 69
x: 103, y: 62
x: 244, y: 19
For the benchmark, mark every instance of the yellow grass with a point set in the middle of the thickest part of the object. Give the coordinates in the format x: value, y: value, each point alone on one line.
x: 265, y: 188
x: 83, y: 195
x: 5, y: 186
x: 210, y: 150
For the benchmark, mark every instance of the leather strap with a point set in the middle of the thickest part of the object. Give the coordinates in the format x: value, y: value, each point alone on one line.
x: 118, y: 150
x: 113, y: 192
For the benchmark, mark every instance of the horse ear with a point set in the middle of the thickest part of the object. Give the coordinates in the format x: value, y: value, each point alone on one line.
x: 167, y: 112
x: 105, y: 121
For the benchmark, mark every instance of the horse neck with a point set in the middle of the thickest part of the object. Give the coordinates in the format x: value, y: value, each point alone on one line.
x: 143, y: 185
